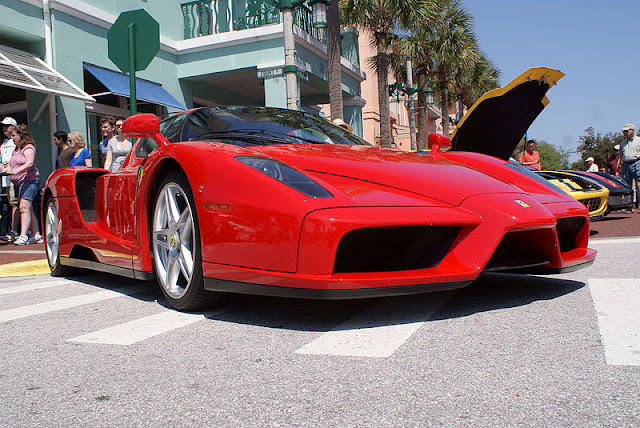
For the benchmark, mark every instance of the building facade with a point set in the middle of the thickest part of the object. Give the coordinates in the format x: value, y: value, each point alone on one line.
x: 224, y: 52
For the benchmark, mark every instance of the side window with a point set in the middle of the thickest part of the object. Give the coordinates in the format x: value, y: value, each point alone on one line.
x: 169, y: 128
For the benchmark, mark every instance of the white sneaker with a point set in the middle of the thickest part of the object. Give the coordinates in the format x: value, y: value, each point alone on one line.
x: 36, y: 239
x: 22, y: 240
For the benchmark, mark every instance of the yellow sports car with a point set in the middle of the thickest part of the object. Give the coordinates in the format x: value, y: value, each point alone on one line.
x: 592, y: 194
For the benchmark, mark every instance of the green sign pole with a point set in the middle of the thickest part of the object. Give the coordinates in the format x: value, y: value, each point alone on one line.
x: 132, y: 68
x: 134, y: 40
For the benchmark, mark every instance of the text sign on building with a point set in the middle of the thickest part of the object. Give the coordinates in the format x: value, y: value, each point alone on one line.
x: 270, y: 72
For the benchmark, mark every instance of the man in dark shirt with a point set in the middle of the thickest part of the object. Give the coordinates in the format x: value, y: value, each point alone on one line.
x: 64, y: 151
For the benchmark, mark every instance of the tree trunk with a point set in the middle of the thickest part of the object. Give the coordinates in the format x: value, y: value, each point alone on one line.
x: 423, y: 122
x: 383, y: 95
x: 444, y: 107
x: 333, y: 53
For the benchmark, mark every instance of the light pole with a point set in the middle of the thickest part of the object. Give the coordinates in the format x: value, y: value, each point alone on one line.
x: 290, y: 67
x: 409, y: 91
x: 412, y: 122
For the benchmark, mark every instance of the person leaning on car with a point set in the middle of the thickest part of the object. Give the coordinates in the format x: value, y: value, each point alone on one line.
x: 630, y: 158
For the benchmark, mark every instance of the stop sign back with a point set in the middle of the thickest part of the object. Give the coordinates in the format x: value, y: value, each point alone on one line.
x: 146, y: 40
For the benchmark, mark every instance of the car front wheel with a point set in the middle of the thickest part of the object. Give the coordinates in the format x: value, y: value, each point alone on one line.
x: 175, y: 243
x: 52, y: 240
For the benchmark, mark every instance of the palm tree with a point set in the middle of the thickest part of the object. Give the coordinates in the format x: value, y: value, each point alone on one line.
x: 452, y: 42
x: 333, y: 53
x: 416, y: 46
x: 382, y: 18
x: 471, y: 82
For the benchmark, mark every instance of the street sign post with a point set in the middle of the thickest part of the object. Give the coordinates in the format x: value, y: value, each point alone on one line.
x: 133, y: 40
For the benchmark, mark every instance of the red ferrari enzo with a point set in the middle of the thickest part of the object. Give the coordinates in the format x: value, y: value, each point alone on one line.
x: 268, y: 201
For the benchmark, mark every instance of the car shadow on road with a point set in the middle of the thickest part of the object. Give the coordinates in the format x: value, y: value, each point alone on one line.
x: 495, y: 291
x: 490, y: 292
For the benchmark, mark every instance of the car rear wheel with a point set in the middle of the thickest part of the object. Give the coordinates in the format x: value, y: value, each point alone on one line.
x: 175, y: 243
x: 52, y: 240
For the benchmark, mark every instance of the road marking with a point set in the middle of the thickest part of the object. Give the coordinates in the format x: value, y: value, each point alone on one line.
x: 140, y: 329
x: 147, y: 327
x: 33, y: 286
x: 616, y: 301
x: 66, y: 303
x: 378, y: 331
x: 633, y: 240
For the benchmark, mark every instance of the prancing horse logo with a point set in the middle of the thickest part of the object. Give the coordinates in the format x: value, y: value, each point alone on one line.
x: 522, y: 203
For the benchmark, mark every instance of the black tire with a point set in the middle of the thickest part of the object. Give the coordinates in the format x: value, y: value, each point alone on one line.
x: 51, y: 239
x: 175, y: 246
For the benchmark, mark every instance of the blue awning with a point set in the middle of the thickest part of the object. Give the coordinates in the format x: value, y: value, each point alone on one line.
x: 118, y: 83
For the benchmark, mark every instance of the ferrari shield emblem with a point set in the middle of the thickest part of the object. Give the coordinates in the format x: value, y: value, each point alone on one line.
x: 522, y: 203
x: 140, y: 171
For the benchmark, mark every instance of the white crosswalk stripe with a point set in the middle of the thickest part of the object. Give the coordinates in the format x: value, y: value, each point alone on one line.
x: 32, y: 286
x: 147, y: 327
x: 378, y: 331
x: 66, y: 303
x: 616, y: 301
x: 140, y: 329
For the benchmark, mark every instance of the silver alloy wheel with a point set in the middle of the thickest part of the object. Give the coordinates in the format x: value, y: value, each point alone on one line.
x: 173, y: 240
x: 51, y: 234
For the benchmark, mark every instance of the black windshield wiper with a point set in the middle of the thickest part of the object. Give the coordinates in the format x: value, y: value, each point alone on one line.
x: 270, y: 135
x: 242, y: 134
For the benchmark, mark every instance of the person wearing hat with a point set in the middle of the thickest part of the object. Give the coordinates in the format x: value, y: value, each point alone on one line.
x: 612, y: 166
x: 6, y: 151
x: 342, y: 124
x: 593, y: 167
x: 630, y: 159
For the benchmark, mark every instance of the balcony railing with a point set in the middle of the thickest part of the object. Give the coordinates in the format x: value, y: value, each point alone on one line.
x: 198, y: 18
x: 206, y: 17
x: 302, y: 17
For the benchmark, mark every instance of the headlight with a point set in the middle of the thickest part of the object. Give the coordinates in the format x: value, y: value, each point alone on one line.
x: 286, y: 175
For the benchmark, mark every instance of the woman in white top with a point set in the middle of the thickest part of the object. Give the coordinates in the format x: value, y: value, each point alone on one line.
x: 118, y: 148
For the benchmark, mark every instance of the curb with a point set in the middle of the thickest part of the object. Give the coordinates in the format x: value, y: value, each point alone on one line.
x: 32, y: 267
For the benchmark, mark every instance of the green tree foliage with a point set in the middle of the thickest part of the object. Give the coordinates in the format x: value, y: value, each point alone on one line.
x: 552, y: 158
x: 596, y: 145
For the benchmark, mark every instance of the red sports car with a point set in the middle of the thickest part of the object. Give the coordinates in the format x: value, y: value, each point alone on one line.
x: 255, y: 200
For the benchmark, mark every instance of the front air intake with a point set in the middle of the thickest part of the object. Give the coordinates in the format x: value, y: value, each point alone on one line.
x: 390, y: 249
x: 567, y: 229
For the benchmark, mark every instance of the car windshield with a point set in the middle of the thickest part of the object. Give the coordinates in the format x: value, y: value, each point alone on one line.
x: 248, y: 126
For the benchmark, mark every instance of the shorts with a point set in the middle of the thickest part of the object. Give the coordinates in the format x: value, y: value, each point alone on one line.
x: 631, y: 170
x: 28, y: 190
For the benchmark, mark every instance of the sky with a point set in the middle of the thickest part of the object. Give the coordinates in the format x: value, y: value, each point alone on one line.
x: 595, y: 43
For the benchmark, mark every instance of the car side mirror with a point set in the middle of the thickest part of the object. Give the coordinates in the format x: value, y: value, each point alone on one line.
x: 437, y: 142
x: 144, y: 125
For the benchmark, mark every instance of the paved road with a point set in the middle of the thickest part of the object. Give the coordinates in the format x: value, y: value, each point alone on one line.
x: 100, y: 350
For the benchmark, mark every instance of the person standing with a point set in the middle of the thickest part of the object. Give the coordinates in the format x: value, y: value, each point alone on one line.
x: 630, y: 159
x: 108, y: 128
x: 6, y: 151
x: 613, y: 161
x: 64, y: 151
x: 530, y: 157
x: 26, y: 179
x: 593, y: 167
x: 81, y: 156
x: 117, y: 149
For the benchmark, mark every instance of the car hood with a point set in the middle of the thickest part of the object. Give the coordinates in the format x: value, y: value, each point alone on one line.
x: 495, y: 124
x: 430, y: 176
